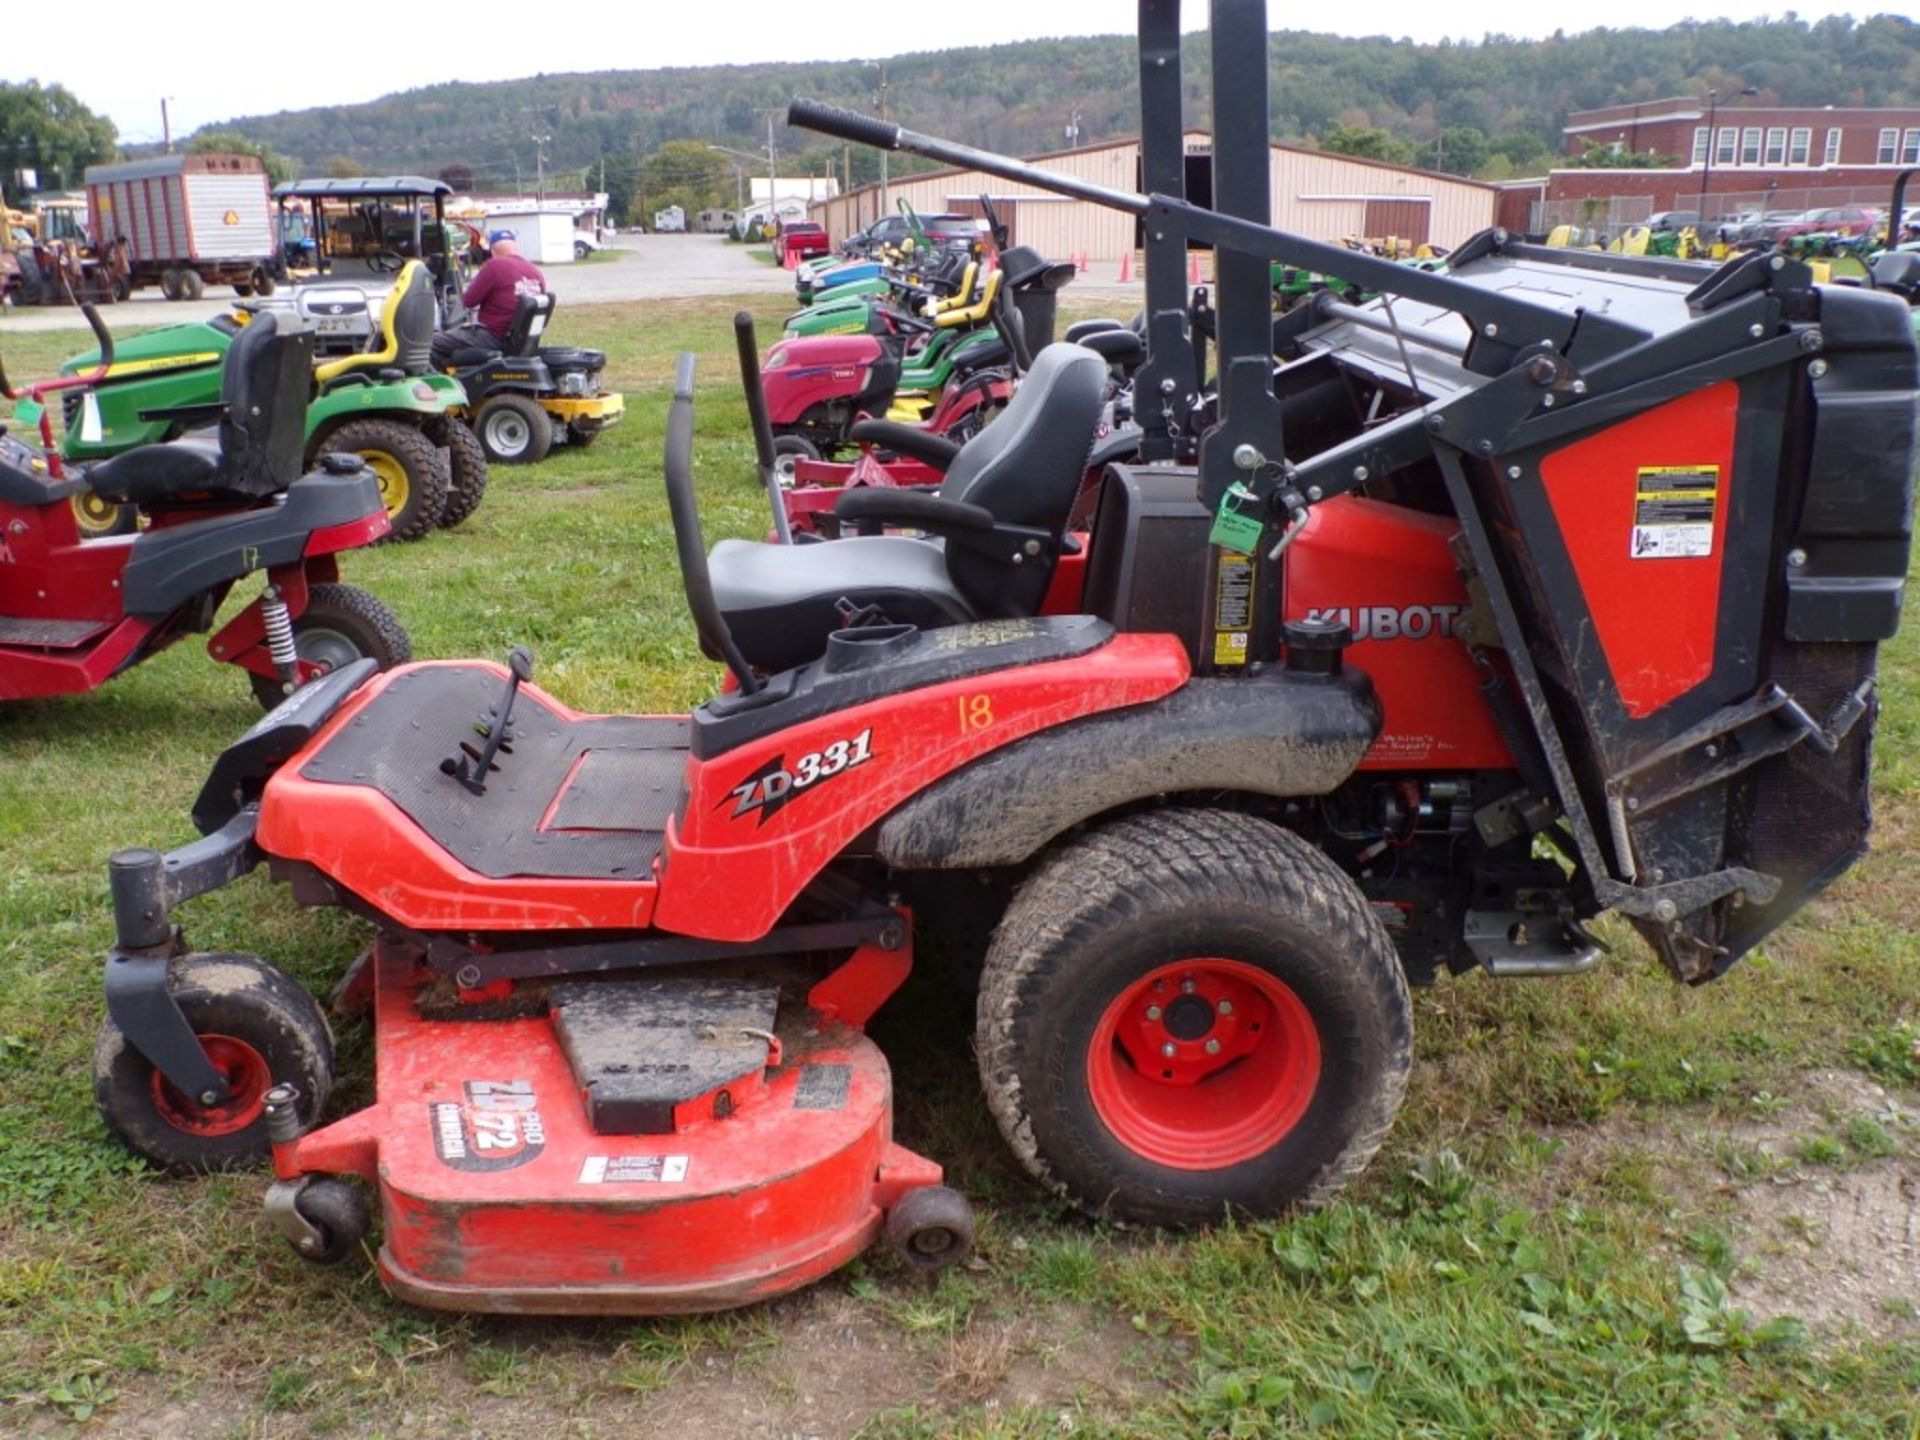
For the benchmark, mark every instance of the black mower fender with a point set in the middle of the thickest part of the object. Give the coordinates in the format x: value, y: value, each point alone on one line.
x: 146, y: 886
x: 243, y: 767
x: 1280, y: 734
x: 173, y: 565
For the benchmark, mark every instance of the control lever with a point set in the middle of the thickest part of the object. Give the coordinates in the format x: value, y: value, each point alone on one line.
x: 470, y: 766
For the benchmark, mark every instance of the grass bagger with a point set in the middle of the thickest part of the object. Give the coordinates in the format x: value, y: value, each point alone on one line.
x: 74, y: 612
x: 1435, y: 628
x: 379, y: 401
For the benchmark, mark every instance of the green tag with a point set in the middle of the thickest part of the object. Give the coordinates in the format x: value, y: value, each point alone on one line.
x: 1233, y: 527
x: 27, y: 413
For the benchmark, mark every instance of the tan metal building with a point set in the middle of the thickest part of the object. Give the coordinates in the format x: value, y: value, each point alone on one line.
x: 1324, y: 196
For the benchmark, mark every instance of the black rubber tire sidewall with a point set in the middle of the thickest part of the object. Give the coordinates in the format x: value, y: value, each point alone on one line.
x: 466, y: 474
x: 349, y: 611
x: 1121, y: 901
x: 539, y: 428
x: 424, y: 462
x: 192, y: 285
x: 221, y: 994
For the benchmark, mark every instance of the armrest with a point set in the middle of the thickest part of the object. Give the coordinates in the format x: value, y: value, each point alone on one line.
x: 912, y: 507
x: 935, y: 450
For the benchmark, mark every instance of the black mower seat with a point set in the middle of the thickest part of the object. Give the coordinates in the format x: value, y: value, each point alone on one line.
x: 999, y: 514
x: 261, y: 438
x: 572, y: 357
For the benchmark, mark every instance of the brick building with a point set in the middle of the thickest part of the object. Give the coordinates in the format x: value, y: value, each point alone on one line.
x: 1757, y: 157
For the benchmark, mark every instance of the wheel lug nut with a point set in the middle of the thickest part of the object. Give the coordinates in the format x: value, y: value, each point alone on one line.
x: 209, y: 1097
x: 1187, y: 987
x: 1168, y: 1050
x: 1213, y: 1047
x: 1153, y: 1012
x: 1225, y: 1007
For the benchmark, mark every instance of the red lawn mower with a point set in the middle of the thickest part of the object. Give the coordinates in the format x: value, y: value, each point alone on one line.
x: 1550, y: 588
x: 75, y: 612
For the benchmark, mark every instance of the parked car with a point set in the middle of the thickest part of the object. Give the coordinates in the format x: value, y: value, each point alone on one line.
x: 802, y: 240
x: 1832, y: 220
x: 1664, y: 220
x: 942, y: 230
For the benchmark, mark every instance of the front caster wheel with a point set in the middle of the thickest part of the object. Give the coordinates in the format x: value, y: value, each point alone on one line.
x: 259, y: 1027
x: 931, y: 1228
x: 337, y: 1220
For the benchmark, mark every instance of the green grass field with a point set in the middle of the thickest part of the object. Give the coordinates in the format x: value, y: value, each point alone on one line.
x: 1612, y: 1207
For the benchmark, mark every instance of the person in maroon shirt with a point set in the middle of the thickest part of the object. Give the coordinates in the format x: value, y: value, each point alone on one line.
x: 491, y: 296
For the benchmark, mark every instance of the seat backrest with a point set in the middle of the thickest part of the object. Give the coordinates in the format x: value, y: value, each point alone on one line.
x: 264, y: 386
x: 530, y: 318
x: 1026, y: 467
x: 406, y: 330
x: 407, y: 322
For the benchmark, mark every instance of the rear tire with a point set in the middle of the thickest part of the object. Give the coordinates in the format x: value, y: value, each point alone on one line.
x: 260, y: 1027
x: 341, y: 624
x: 466, y: 474
x: 192, y: 286
x: 411, y: 469
x: 1192, y: 1012
x: 513, y: 429
x: 170, y: 284
x: 98, y: 519
x: 263, y: 283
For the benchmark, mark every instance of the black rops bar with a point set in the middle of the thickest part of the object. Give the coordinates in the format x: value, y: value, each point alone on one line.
x: 1501, y: 324
x: 757, y: 419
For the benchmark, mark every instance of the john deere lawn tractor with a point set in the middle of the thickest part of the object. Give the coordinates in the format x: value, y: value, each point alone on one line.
x: 383, y: 403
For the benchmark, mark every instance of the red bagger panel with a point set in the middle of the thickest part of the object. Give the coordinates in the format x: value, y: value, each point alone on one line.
x: 1642, y: 507
x: 1387, y: 572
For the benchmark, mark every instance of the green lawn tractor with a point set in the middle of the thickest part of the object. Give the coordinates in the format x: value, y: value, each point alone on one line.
x: 384, y: 404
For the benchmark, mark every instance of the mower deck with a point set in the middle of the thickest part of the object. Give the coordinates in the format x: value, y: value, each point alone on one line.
x: 499, y: 1194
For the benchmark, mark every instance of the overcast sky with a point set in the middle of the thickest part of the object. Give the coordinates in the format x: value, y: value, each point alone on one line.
x: 128, y: 53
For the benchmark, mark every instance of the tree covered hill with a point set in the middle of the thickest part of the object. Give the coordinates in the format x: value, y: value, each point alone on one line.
x: 1020, y: 98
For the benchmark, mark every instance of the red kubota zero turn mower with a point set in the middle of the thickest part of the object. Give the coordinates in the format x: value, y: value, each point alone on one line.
x: 1547, y: 586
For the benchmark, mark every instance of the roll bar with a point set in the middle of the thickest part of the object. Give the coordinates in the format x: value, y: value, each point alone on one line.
x: 762, y: 428
x: 692, y: 545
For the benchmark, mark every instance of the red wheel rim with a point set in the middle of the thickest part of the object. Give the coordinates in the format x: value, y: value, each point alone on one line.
x: 248, y: 1079
x: 1203, y: 1064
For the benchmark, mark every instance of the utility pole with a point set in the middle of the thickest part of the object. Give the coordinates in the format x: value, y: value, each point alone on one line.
x: 772, y: 172
x: 1073, y: 129
x: 539, y: 113
x: 166, y: 127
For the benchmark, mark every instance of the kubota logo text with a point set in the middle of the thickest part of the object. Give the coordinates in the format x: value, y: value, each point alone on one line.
x: 1391, y: 622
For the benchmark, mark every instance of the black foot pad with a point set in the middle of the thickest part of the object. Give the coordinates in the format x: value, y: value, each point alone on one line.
x: 639, y: 1048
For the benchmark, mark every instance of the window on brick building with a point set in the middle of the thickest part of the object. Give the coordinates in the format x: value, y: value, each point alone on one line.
x: 1889, y: 147
x: 1750, y: 145
x: 1777, y: 145
x: 1800, y: 148
x: 1726, y: 146
x: 1833, y: 147
x: 1910, y: 148
x: 1700, y: 146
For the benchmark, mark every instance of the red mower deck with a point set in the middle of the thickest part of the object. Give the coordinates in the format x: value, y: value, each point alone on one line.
x: 497, y: 1194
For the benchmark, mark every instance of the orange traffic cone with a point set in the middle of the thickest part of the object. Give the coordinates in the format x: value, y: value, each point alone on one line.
x: 1126, y: 268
